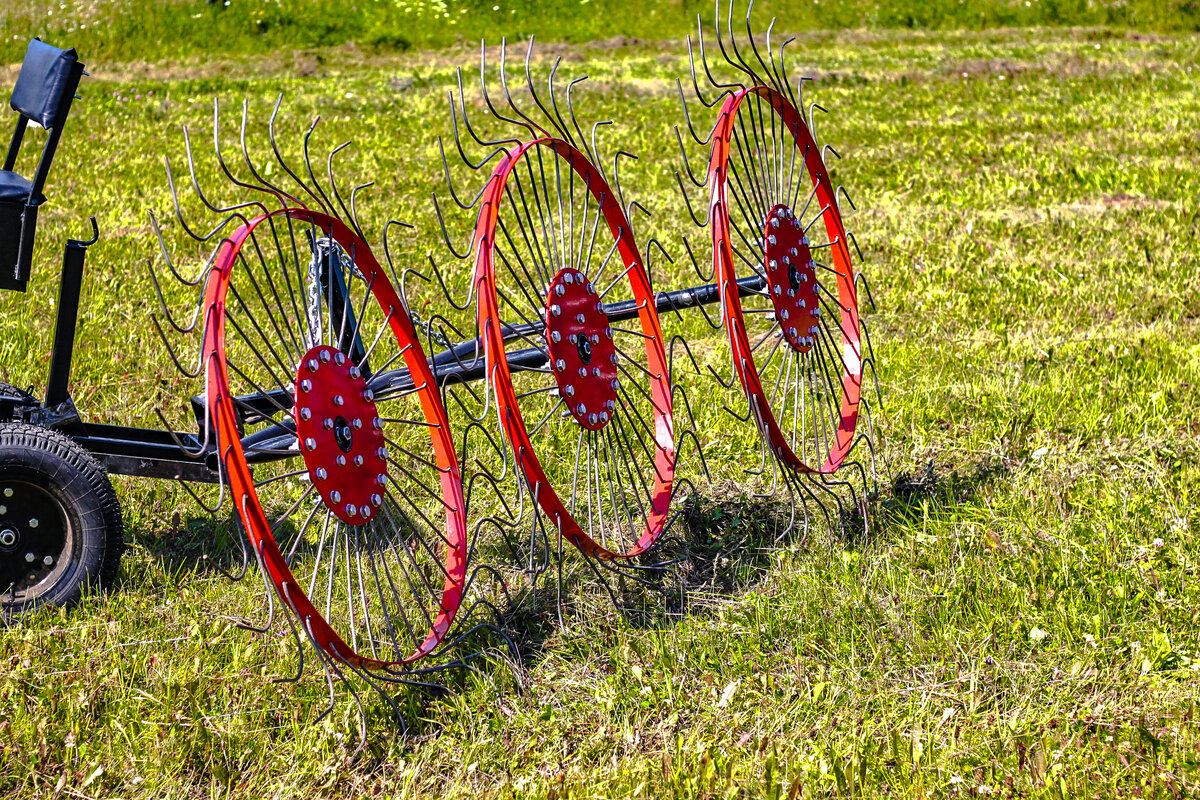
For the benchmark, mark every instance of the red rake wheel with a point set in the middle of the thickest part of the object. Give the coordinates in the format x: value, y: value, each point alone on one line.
x: 574, y: 349
x: 787, y: 283
x: 341, y: 465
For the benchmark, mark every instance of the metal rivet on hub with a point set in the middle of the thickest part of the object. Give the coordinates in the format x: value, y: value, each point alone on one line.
x: 569, y: 390
x: 580, y: 318
x: 327, y: 423
x: 313, y: 365
x: 560, y: 290
x: 591, y: 289
x: 339, y: 359
x: 305, y: 413
x: 581, y: 409
x: 595, y: 372
x: 792, y: 293
x: 357, y: 423
x: 368, y: 395
x: 341, y: 461
x: 793, y: 252
x: 592, y: 419
x: 560, y: 365
x: 3, y: 509
x: 376, y: 500
x: 792, y: 332
x: 30, y: 557
x: 608, y: 332
x: 555, y: 309
x: 305, y: 385
x: 48, y: 560
x: 378, y: 423
x: 324, y: 356
x: 573, y: 338
x: 771, y: 240
x: 310, y: 444
x: 355, y: 372
x: 775, y: 222
x: 381, y: 479
x: 335, y: 496
x: 358, y: 461
x: 568, y: 278
x: 803, y: 304
x: 365, y: 511
x: 594, y: 338
x: 777, y: 289
x: 583, y: 372
x: 8, y: 492
x: 773, y: 264
x: 321, y: 474
x: 33, y: 523
x: 787, y: 261
x: 804, y: 239
x: 604, y: 416
x: 616, y: 384
x: 338, y: 400
x: 555, y: 337
x: 382, y: 454
x: 614, y: 359
x: 351, y: 509
x: 783, y: 315
x: 610, y: 405
x: 796, y: 224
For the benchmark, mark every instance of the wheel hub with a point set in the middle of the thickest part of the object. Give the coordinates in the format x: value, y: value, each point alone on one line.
x: 33, y: 535
x: 792, y: 275
x: 582, y: 354
x: 340, y: 435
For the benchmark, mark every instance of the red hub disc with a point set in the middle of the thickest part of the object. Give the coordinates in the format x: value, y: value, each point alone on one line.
x: 793, y: 278
x: 340, y: 434
x: 582, y: 353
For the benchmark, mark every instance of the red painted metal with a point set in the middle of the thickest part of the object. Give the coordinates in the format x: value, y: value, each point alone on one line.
x: 222, y: 409
x: 725, y: 262
x: 340, y: 434
x: 792, y: 277
x: 582, y: 353
x: 500, y: 376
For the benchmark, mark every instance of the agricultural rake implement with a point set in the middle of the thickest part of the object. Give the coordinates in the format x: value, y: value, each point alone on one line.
x: 397, y: 479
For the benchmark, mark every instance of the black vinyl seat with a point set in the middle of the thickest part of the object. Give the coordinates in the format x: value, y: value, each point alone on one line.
x: 43, y: 94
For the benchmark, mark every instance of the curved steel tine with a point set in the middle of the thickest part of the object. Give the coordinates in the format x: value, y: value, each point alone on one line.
x: 778, y: 79
x: 326, y: 206
x: 842, y: 190
x: 785, y: 82
x: 652, y: 242
x: 437, y: 208
x: 682, y: 342
x: 692, y: 64
x: 224, y: 168
x: 687, y: 245
x: 354, y: 209
x: 210, y: 509
x: 687, y: 163
x: 450, y: 182
x: 171, y: 352
x: 753, y: 47
x: 333, y: 187
x: 599, y: 163
x: 700, y: 223
x: 858, y: 250
x: 740, y: 63
x: 462, y: 106
x: 504, y: 84
x: 166, y: 312
x: 162, y: 246
x: 688, y: 118
x: 560, y: 124
x: 487, y: 99
x: 583, y: 140
x: 267, y: 186
x: 861, y: 278
x: 279, y: 159
x: 812, y: 128
x: 533, y: 93
x: 196, y: 454
x: 704, y: 57
x: 831, y: 149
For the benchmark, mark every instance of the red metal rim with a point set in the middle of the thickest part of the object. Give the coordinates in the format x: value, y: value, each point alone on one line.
x: 500, y: 374
x: 238, y: 472
x: 724, y: 266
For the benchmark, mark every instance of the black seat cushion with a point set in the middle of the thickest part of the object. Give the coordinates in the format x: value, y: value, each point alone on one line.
x: 42, y: 83
x: 14, y: 187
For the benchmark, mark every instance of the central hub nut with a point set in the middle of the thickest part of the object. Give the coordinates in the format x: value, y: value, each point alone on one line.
x: 582, y: 353
x: 792, y: 279
x: 340, y: 435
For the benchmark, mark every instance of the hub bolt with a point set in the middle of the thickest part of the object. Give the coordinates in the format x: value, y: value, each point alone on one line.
x: 568, y: 278
x: 312, y: 365
x: 604, y: 416
x: 581, y: 409
x: 591, y: 289
x: 355, y: 372
x: 583, y: 372
x: 555, y: 337
x: 580, y: 318
x: 381, y: 479
x: 555, y: 309
x: 327, y: 423
x: 351, y: 509
x: 321, y: 474
x: 560, y: 365
x: 305, y: 413
x: 33, y: 523
x: 595, y: 372
x: 335, y: 496
x: 377, y: 423
x: 560, y: 290
x: 608, y: 332
x: 8, y: 492
x: 339, y: 359
x: 357, y: 423
x: 358, y: 461
x: 592, y: 419
x: 338, y: 400
x: 376, y: 500
x: 365, y: 511
x: 569, y: 390
x: 341, y: 461
x: 306, y: 385
x: 324, y: 356
x: 368, y: 395
x: 616, y: 384
x: 48, y: 560
x: 382, y: 453
x: 30, y: 557
x: 310, y: 444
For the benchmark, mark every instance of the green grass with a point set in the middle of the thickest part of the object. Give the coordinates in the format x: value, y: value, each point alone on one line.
x: 158, y: 30
x: 1024, y: 615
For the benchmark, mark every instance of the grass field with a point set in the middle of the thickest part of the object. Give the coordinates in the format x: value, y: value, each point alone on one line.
x: 1024, y: 617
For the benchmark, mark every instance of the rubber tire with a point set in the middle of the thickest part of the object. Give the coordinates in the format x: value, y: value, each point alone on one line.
x: 81, y: 487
